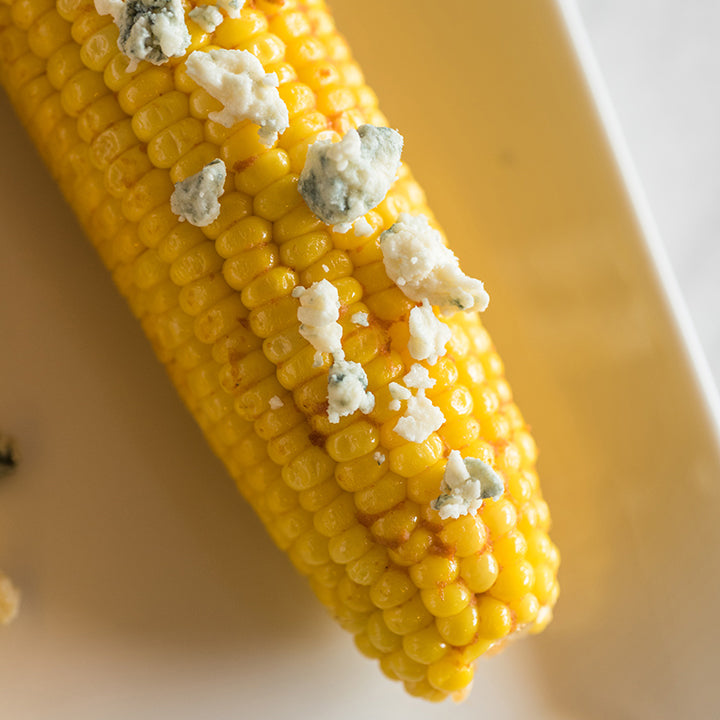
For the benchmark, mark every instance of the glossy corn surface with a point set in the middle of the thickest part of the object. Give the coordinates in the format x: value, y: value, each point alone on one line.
x: 350, y: 502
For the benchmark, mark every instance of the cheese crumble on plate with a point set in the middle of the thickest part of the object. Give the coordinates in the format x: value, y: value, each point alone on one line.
x: 419, y: 263
x: 342, y: 181
x: 195, y: 199
x: 238, y: 80
x: 152, y: 30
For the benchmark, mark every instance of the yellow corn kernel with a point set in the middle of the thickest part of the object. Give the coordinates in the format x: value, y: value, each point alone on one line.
x: 414, y: 549
x: 479, y: 571
x: 425, y: 646
x: 337, y: 517
x: 175, y: 141
x: 434, y: 570
x: 500, y: 516
x: 381, y: 637
x: 446, y: 600
x: 408, y: 617
x: 98, y: 49
x: 319, y: 496
x: 466, y: 535
x: 450, y: 674
x: 241, y: 269
x: 363, y: 644
x: 368, y: 568
x: 405, y: 668
x: 495, y: 618
x: 459, y: 629
x: 304, y: 250
x: 392, y: 588
x: 203, y: 293
x: 525, y: 609
x: 412, y: 458
x: 386, y: 493
x: 350, y: 544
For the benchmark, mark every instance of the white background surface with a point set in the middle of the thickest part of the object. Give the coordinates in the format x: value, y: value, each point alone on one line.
x: 661, y: 63
x: 151, y: 591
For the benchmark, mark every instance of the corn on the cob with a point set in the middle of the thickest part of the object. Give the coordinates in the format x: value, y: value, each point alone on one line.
x: 352, y: 502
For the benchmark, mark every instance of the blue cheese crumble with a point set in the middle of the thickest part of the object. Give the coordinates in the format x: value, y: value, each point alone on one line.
x: 275, y: 403
x: 360, y: 318
x: 238, y: 80
x: 232, y: 8
x: 195, y: 199
x: 428, y: 334
x: 342, y: 181
x: 347, y: 389
x: 466, y: 483
x: 318, y: 315
x: 208, y: 17
x: 419, y: 263
x: 152, y: 30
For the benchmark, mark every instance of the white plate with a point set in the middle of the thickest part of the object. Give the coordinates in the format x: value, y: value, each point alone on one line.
x: 151, y: 591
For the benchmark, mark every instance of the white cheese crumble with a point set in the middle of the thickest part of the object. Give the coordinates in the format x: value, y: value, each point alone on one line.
x: 466, y: 483
x: 152, y: 30
x: 275, y: 403
x: 347, y: 389
x: 318, y: 314
x: 231, y: 7
x: 361, y: 228
x: 378, y: 457
x: 418, y: 262
x: 208, y: 17
x: 421, y: 418
x: 342, y: 181
x: 397, y: 393
x: 360, y: 318
x: 195, y: 199
x: 428, y: 334
x: 238, y: 80
x: 418, y: 377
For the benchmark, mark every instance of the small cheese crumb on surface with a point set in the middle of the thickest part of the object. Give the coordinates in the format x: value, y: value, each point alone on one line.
x: 195, y: 199
x: 379, y: 457
x: 231, y: 7
x: 275, y: 403
x: 152, y: 30
x: 418, y: 262
x: 428, y: 334
x: 9, y: 456
x: 208, y: 17
x: 238, y: 80
x: 360, y: 318
x: 318, y: 314
x: 421, y: 418
x: 418, y: 377
x: 344, y: 180
x: 9, y: 600
x: 347, y: 389
x: 466, y: 483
